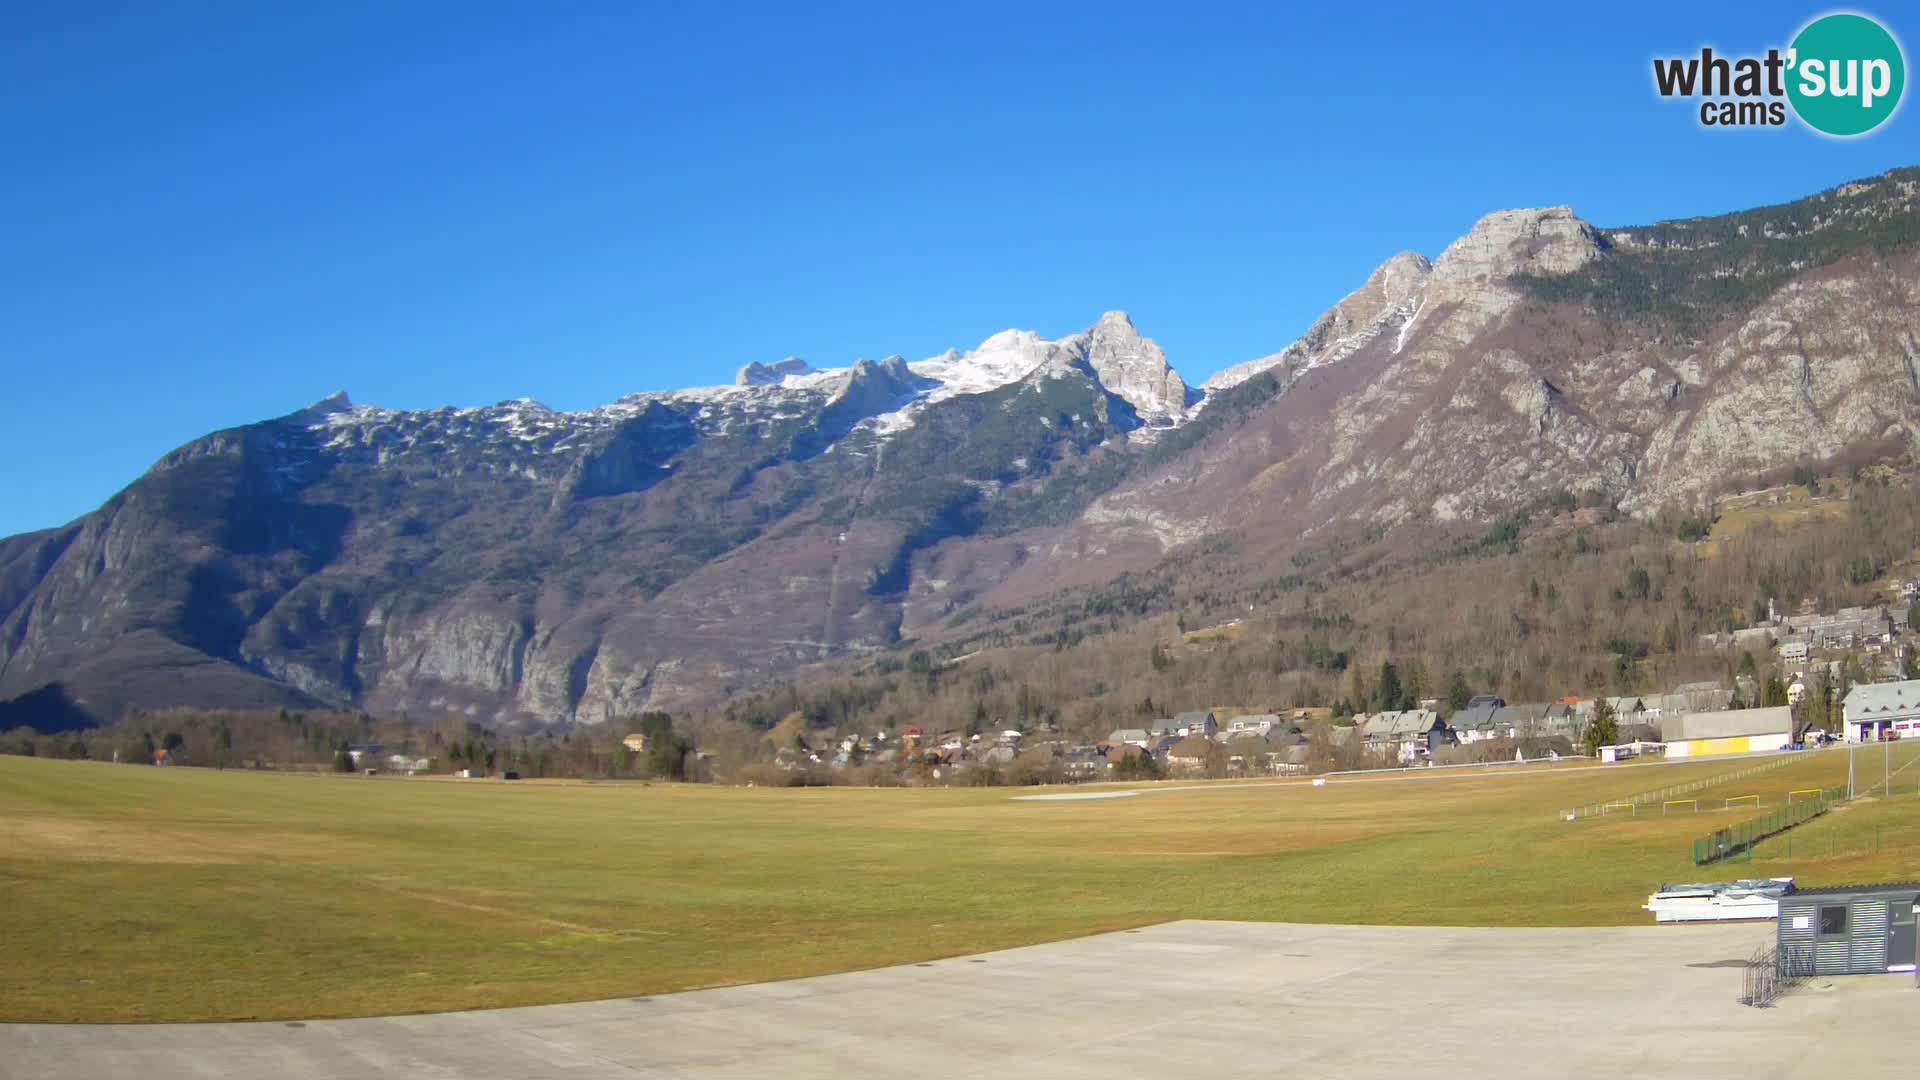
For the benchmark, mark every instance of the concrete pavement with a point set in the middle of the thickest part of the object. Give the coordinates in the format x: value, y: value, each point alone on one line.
x: 1182, y: 999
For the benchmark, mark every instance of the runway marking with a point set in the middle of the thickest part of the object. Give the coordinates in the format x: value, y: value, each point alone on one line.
x: 489, y: 909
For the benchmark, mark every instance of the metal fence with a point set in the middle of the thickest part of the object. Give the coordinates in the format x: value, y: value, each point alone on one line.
x: 1631, y: 802
x: 1738, y: 841
x: 1773, y: 971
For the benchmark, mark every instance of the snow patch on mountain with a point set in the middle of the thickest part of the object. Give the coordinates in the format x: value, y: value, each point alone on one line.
x: 1131, y: 367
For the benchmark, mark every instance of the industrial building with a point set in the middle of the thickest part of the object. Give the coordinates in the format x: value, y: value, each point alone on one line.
x: 1727, y: 731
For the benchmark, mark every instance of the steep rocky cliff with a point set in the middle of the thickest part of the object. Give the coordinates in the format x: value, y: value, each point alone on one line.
x: 514, y: 563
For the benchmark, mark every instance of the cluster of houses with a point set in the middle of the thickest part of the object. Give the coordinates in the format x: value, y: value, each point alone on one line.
x: 1195, y: 742
x: 1191, y: 743
x: 1690, y: 721
x: 1201, y: 742
x: 1799, y: 637
x: 368, y: 756
x: 1542, y: 730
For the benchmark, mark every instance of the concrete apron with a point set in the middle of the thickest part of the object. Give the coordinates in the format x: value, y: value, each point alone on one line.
x: 1181, y: 999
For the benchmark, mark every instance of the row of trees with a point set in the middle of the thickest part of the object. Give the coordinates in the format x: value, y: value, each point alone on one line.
x: 319, y: 740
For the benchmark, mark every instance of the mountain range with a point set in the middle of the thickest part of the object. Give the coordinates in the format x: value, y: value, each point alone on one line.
x: 516, y: 564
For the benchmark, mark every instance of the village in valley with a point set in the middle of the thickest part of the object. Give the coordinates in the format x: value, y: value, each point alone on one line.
x: 1803, y: 679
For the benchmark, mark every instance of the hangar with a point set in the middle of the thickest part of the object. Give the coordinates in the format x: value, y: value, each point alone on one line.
x: 1728, y: 731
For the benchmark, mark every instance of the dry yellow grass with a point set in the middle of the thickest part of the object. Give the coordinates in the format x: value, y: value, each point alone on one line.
x: 1734, y: 521
x: 154, y: 894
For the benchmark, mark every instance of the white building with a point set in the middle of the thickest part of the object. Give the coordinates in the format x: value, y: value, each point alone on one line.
x: 1728, y: 731
x: 1881, y: 710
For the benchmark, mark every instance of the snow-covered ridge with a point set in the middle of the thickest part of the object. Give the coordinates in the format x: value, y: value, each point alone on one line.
x: 876, y: 400
x: 1132, y: 367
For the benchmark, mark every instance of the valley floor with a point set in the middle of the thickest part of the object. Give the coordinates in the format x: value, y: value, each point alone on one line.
x: 144, y: 894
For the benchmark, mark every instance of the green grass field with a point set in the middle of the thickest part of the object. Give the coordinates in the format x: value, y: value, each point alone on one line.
x: 172, y: 894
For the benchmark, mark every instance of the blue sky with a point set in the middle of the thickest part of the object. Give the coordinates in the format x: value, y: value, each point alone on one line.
x: 216, y: 212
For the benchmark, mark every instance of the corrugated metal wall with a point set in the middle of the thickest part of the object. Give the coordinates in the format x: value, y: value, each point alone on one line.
x: 1867, y: 930
x: 1799, y: 921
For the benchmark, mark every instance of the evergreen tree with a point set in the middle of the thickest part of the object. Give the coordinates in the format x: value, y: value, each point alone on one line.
x: 1458, y: 692
x: 1387, y: 692
x: 1774, y: 693
x: 1604, y: 728
x: 667, y: 749
x: 1415, y: 681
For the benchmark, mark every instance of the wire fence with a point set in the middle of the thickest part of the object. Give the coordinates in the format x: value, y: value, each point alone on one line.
x: 1738, y: 840
x: 1631, y: 803
x: 1773, y: 971
x: 1886, y: 780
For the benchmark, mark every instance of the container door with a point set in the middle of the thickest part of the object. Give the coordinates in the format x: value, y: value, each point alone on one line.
x: 1834, y: 925
x: 1900, y: 937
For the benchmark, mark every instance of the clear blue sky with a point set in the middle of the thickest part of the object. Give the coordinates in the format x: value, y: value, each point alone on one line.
x: 215, y: 212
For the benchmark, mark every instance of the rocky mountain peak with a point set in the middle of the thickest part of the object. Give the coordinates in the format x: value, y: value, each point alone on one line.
x: 1399, y: 278
x: 1009, y: 341
x: 758, y: 374
x: 317, y: 413
x: 1134, y: 368
x: 891, y: 373
x: 872, y: 388
x: 1551, y: 240
x: 1391, y: 295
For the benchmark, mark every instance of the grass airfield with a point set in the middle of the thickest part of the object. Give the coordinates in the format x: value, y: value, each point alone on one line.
x: 175, y: 894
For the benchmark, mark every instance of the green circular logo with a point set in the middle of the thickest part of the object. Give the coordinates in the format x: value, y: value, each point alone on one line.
x: 1846, y: 73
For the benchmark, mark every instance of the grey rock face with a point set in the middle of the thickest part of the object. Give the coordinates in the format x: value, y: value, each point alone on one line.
x: 1456, y: 391
x: 1510, y: 242
x: 1135, y: 369
x: 758, y: 374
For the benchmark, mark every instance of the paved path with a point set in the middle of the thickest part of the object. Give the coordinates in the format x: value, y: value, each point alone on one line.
x: 1183, y: 999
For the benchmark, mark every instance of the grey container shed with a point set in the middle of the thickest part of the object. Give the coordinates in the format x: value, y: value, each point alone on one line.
x: 1849, y: 929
